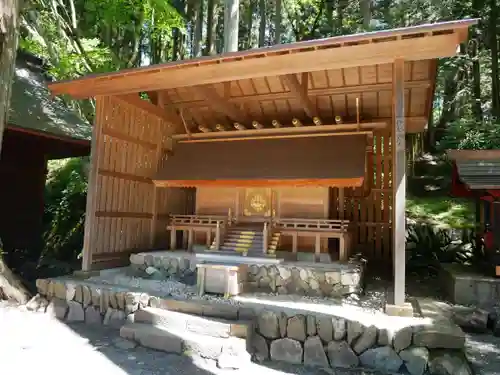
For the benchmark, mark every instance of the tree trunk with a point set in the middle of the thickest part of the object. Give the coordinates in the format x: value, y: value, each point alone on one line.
x: 231, y: 25
x: 210, y: 48
x: 198, y: 29
x: 277, y: 23
x: 341, y: 5
x: 366, y: 13
x: 493, y: 42
x: 10, y: 285
x: 476, y: 79
x: 262, y: 26
x: 249, y: 27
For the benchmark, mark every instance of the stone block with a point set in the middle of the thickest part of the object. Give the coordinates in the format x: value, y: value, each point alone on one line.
x: 399, y: 310
x: 283, y: 323
x: 286, y: 350
x: 311, y: 325
x: 220, y: 310
x: 259, y: 347
x: 383, y: 359
x: 75, y: 312
x: 314, y: 353
x: 449, y: 363
x: 93, y: 316
x: 114, y: 318
x: 296, y: 328
x: 415, y: 359
x: 37, y: 303
x: 42, y: 286
x: 87, y: 296
x: 341, y: 355
x: 402, y: 338
x: 339, y: 328
x: 59, y: 289
x: 354, y: 330
x: 442, y: 334
x: 57, y: 308
x: 267, y: 324
x: 70, y: 291
x: 367, y: 339
x: 471, y: 319
x: 325, y: 328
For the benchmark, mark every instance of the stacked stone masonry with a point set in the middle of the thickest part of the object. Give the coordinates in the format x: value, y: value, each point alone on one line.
x: 300, y: 278
x: 417, y: 346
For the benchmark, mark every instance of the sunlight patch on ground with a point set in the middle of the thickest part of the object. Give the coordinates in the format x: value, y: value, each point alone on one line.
x: 442, y: 211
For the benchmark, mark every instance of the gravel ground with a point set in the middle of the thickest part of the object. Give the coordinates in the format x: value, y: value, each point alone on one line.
x: 33, y: 343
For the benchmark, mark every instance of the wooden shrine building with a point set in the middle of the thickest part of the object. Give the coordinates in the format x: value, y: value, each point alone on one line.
x: 304, y: 142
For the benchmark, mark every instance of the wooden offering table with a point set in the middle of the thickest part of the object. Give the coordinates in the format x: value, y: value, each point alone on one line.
x: 227, y: 279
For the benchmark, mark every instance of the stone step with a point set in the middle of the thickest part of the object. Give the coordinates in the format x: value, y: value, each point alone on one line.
x: 230, y: 352
x: 191, y: 323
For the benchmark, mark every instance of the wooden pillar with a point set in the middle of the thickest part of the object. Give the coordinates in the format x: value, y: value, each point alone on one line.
x: 398, y: 183
x: 190, y: 240
x: 317, y: 248
x: 294, y: 243
x: 341, y: 203
x: 90, y: 219
x: 173, y: 239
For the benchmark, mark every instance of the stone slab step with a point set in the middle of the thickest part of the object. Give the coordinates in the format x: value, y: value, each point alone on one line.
x: 182, y: 342
x: 190, y: 323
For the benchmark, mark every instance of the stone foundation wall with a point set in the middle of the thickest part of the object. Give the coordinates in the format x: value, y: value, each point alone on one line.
x: 379, y: 342
x: 92, y: 304
x: 326, y: 341
x: 306, y: 280
x: 301, y: 278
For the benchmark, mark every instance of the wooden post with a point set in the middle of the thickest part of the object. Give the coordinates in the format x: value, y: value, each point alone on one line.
x: 398, y: 182
x: 209, y: 238
x: 265, y: 239
x: 217, y: 236
x: 154, y: 210
x: 294, y: 243
x: 173, y: 239
x: 93, y: 180
x: 342, y: 252
x: 190, y: 240
x: 341, y: 203
x: 317, y: 248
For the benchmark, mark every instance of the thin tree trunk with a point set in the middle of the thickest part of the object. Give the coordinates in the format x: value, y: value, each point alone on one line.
x: 212, y: 13
x: 231, y: 25
x: 249, y: 36
x: 366, y: 13
x: 476, y: 80
x: 198, y: 30
x: 329, y: 17
x: 10, y: 285
x: 341, y: 5
x: 262, y: 26
x: 495, y: 84
x: 277, y: 23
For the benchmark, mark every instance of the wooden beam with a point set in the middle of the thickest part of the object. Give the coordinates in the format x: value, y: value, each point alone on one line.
x: 135, y: 100
x: 283, y: 131
x: 399, y: 183
x: 299, y: 90
x: 287, y: 95
x: 316, y: 56
x: 281, y: 136
x: 222, y: 105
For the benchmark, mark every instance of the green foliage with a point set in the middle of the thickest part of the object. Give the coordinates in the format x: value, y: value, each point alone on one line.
x: 65, y: 200
x: 441, y: 212
x: 429, y: 246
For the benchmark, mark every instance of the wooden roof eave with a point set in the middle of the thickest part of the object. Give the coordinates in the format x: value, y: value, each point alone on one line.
x: 414, y: 43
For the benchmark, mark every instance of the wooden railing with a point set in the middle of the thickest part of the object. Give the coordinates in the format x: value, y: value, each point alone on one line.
x: 318, y: 229
x: 312, y: 224
x: 197, y: 223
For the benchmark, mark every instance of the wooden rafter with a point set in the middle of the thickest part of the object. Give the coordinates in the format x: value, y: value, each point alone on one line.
x: 424, y: 84
x: 299, y: 90
x: 221, y: 104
